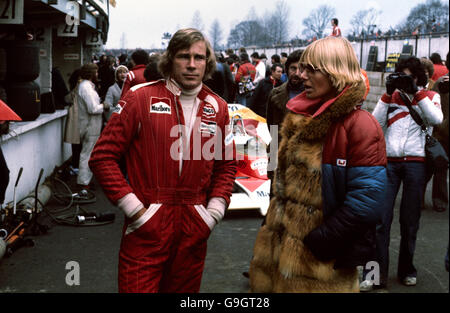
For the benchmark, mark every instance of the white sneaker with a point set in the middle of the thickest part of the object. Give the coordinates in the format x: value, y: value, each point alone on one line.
x: 409, y: 281
x: 366, y: 285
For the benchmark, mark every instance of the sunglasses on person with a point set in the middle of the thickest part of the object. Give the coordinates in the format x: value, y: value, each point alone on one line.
x: 309, y: 68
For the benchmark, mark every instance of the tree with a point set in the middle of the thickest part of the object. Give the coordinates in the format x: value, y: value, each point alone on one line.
x: 365, y: 21
x: 246, y: 33
x: 215, y: 34
x: 318, y: 20
x: 280, y: 22
x: 165, y: 39
x: 197, y: 21
x: 427, y: 17
x: 269, y: 34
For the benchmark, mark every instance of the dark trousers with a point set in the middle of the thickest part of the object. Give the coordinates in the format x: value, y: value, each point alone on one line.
x: 76, y: 150
x: 413, y: 176
x: 440, y: 188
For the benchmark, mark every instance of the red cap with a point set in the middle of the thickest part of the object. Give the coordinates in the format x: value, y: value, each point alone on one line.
x: 6, y: 114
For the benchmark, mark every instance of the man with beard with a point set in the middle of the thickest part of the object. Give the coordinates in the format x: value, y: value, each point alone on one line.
x: 276, y: 105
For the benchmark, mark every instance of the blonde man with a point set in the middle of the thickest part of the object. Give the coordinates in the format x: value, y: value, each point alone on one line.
x: 329, y: 182
x: 179, y: 182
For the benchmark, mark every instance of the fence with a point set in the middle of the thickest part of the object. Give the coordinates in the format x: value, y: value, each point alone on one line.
x: 422, y: 45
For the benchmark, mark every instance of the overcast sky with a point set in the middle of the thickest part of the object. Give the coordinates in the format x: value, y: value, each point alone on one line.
x: 144, y: 22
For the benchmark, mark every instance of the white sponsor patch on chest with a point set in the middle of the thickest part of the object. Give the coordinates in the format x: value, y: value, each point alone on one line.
x: 208, y: 127
x: 209, y: 112
x: 160, y: 108
x: 341, y: 162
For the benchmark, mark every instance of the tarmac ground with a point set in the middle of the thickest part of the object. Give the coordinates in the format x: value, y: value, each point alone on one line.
x: 47, y: 266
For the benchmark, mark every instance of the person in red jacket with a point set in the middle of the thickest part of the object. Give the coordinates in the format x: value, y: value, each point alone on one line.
x: 139, y: 60
x: 336, y: 30
x: 439, y: 68
x: 181, y: 167
x: 245, y: 78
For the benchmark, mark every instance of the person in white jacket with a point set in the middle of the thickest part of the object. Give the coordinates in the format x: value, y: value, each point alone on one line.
x: 405, y: 147
x: 89, y: 119
x: 114, y: 91
x: 260, y: 67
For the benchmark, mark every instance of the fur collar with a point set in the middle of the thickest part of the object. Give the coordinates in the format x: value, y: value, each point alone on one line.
x: 312, y: 127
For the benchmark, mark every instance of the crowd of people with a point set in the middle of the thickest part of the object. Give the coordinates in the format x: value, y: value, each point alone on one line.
x: 134, y: 124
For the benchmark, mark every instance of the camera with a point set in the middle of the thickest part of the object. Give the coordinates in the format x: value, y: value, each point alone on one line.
x: 444, y: 86
x: 401, y: 81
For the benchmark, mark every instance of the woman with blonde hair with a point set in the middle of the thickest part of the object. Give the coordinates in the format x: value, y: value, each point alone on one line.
x: 329, y: 183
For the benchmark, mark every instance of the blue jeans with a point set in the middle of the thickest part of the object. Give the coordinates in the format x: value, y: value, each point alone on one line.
x: 242, y: 99
x: 413, y: 176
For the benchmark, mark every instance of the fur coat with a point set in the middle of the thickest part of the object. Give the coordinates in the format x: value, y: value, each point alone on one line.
x: 282, y: 262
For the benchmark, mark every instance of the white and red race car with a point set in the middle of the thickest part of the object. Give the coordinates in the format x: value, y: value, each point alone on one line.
x: 251, y: 137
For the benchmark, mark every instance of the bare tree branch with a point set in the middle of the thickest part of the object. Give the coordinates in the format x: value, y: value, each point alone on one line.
x: 215, y: 34
x: 318, y: 20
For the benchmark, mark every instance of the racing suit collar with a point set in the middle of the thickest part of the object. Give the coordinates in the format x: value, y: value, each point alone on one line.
x: 176, y: 89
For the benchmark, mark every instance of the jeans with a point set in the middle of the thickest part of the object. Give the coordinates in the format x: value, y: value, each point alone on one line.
x: 242, y: 99
x: 413, y: 176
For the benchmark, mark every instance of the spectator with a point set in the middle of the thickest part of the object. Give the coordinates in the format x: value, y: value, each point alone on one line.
x: 123, y: 59
x: 406, y: 164
x: 263, y: 58
x: 260, y: 68
x: 113, y: 95
x: 439, y: 68
x: 59, y: 88
x: 284, y: 57
x: 90, y: 111
x: 279, y: 97
x: 273, y: 59
x: 336, y: 32
x: 233, y: 63
x: 139, y: 60
x: 258, y: 101
x: 429, y: 71
x: 72, y: 131
x: 245, y: 77
x: 242, y: 50
x: 171, y: 203
x: 151, y: 72
x: 221, y: 81
x: 321, y: 222
x: 440, y: 132
x: 106, y: 76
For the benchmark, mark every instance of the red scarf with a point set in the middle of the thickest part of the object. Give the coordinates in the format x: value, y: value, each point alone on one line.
x: 311, y: 107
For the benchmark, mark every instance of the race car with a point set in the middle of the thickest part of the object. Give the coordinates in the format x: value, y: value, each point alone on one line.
x: 251, y: 137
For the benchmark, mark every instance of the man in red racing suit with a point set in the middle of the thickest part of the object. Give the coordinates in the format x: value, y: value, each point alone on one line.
x: 181, y: 166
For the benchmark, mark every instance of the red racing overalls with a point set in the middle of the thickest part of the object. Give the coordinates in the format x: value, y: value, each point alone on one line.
x: 164, y: 250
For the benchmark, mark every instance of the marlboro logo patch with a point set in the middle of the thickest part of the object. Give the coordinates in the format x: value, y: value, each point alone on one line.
x: 160, y: 106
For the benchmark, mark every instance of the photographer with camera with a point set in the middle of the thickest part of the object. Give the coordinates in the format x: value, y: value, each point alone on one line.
x: 405, y: 150
x: 440, y: 132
